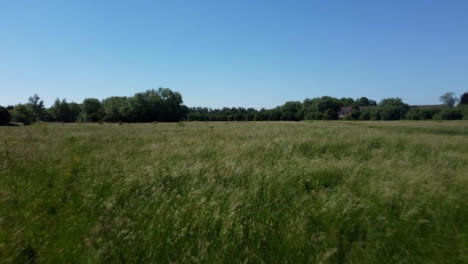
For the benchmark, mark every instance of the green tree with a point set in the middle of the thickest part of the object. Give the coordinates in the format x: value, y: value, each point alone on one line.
x: 355, y: 114
x: 62, y: 111
x: 161, y: 105
x: 393, y: 109
x: 262, y: 115
x: 347, y: 101
x: 315, y: 108
x: 449, y: 99
x: 415, y: 114
x: 291, y: 111
x: 464, y: 98
x: 375, y: 114
x: 274, y: 114
x: 36, y: 107
x: 59, y: 110
x: 116, y: 109
x: 91, y: 110
x: 330, y: 114
x: 421, y: 113
x: 328, y: 103
x: 172, y: 105
x: 450, y: 114
x: 5, y: 116
x: 21, y: 113
x: 364, y: 101
x: 366, y: 114
x: 75, y: 111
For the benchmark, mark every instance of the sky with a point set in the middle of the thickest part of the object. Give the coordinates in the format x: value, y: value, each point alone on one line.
x: 252, y: 53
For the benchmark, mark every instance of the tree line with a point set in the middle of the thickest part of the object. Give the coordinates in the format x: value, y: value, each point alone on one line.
x: 162, y: 105
x: 328, y: 108
x: 165, y: 105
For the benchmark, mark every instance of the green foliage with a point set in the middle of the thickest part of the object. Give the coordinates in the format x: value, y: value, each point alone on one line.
x: 61, y: 111
x: 321, y: 108
x: 450, y: 114
x: 275, y: 114
x: 464, y: 110
x: 291, y: 111
x: 347, y: 101
x: 23, y: 114
x: 364, y: 101
x: 91, y: 110
x: 330, y: 114
x: 36, y: 108
x: 355, y: 114
x: 116, y: 109
x: 164, y: 105
x: 449, y: 99
x: 421, y: 113
x: 253, y: 192
x: 375, y: 114
x: 328, y: 103
x: 415, y: 114
x: 366, y: 114
x: 5, y: 116
x: 464, y: 99
x: 392, y: 109
x: 262, y: 115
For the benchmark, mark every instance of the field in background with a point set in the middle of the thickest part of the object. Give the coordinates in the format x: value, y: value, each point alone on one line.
x: 317, y: 192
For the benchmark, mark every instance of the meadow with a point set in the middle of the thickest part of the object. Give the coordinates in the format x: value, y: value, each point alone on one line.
x: 235, y: 192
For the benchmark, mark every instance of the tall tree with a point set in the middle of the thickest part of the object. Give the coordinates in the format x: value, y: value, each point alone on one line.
x: 23, y: 114
x: 392, y: 109
x: 91, y: 110
x: 364, y: 101
x: 464, y: 98
x: 291, y: 111
x: 116, y: 109
x: 62, y: 111
x: 36, y: 106
x: 5, y: 116
x: 449, y: 99
x: 347, y: 101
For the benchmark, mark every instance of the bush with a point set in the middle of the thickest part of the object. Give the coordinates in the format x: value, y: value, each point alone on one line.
x: 429, y: 113
x: 5, y: 116
x: 354, y: 115
x: 23, y: 114
x: 414, y: 114
x: 421, y: 114
x: 464, y: 110
x: 91, y: 110
x: 392, y: 113
x: 330, y: 115
x: 375, y: 114
x: 449, y: 114
x: 365, y: 114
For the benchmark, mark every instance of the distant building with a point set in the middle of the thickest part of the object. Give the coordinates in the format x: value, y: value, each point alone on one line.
x: 345, y: 110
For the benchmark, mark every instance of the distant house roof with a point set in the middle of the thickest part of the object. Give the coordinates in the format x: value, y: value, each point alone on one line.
x: 350, y: 108
x: 428, y: 106
x: 346, y: 109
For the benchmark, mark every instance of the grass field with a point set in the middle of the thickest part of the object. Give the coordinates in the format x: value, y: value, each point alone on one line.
x: 232, y: 192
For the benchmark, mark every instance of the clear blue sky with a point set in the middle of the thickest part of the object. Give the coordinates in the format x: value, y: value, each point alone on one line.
x: 234, y: 53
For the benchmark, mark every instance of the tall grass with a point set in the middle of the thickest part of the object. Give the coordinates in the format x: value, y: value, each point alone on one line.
x: 276, y: 192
